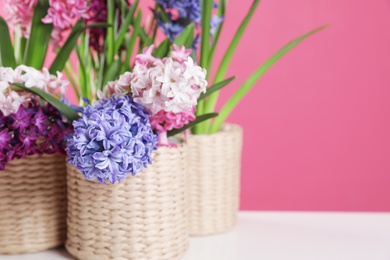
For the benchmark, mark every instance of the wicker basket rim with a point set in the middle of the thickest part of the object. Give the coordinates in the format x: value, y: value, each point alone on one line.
x: 227, y: 129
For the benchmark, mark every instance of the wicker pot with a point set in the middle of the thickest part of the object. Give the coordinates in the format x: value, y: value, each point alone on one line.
x: 33, y: 204
x: 214, y: 180
x: 144, y: 217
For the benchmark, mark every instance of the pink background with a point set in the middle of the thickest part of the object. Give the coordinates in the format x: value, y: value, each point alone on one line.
x: 317, y: 128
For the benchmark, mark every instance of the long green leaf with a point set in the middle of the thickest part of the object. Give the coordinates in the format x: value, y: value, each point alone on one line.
x: 221, y: 72
x: 162, y: 50
x: 71, y: 76
x: 110, y: 40
x: 82, y: 72
x: 221, y: 13
x: 112, y: 72
x: 144, y: 37
x: 7, y: 57
x: 216, y: 87
x: 198, y: 120
x: 250, y: 82
x: 133, y: 40
x: 188, y: 44
x: 38, y: 42
x: 162, y: 13
x: 125, y: 26
x: 64, y: 53
x: 207, y: 7
x: 22, y: 44
x: 182, y: 38
x: 64, y: 109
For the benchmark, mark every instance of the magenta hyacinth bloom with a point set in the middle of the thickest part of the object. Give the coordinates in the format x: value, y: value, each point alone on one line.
x: 166, y: 121
x: 35, y: 129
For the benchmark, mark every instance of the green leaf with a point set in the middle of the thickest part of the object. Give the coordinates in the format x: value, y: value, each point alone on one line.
x: 100, y: 75
x: 207, y: 7
x: 163, y: 49
x: 250, y: 82
x: 198, y: 120
x: 64, y: 109
x: 163, y: 14
x: 133, y: 40
x: 71, y: 76
x: 83, y: 83
x: 183, y: 37
x: 112, y: 72
x: 221, y: 72
x: 38, y: 42
x: 216, y: 87
x: 19, y: 55
x: 64, y: 53
x: 221, y: 13
x: 110, y: 40
x: 144, y: 37
x: 7, y: 57
x: 125, y: 26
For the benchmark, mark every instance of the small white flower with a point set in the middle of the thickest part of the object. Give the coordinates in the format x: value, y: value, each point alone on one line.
x: 168, y: 85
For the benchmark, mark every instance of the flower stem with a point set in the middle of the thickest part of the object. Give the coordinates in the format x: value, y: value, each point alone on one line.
x: 207, y: 6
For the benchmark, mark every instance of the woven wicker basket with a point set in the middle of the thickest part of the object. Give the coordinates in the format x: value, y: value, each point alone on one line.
x: 33, y: 204
x: 214, y: 180
x: 144, y: 217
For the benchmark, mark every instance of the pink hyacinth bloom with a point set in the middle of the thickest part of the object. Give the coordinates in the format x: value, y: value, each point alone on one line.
x: 118, y: 87
x: 168, y: 88
x: 166, y: 121
x: 167, y: 84
x: 19, y: 14
x: 146, y: 56
x: 62, y: 14
x: 11, y: 100
x: 180, y: 54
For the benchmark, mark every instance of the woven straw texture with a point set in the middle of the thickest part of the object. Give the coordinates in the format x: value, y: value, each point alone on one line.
x: 33, y: 204
x: 214, y: 180
x: 144, y: 217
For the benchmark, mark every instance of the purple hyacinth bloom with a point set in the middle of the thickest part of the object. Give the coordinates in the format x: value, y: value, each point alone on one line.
x: 196, y: 42
x: 111, y: 140
x: 98, y: 13
x: 5, y: 138
x: 188, y: 9
x: 30, y: 131
x: 39, y: 120
x: 214, y: 24
x: 171, y: 29
x: 21, y: 119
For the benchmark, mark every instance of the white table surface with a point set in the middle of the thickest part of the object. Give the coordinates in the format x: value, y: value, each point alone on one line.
x: 284, y: 235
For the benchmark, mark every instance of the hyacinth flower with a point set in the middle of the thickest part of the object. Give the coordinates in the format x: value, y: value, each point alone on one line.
x: 60, y: 13
x: 30, y: 26
x: 174, y: 16
x: 206, y: 32
x: 167, y: 87
x: 111, y: 140
x: 27, y: 125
